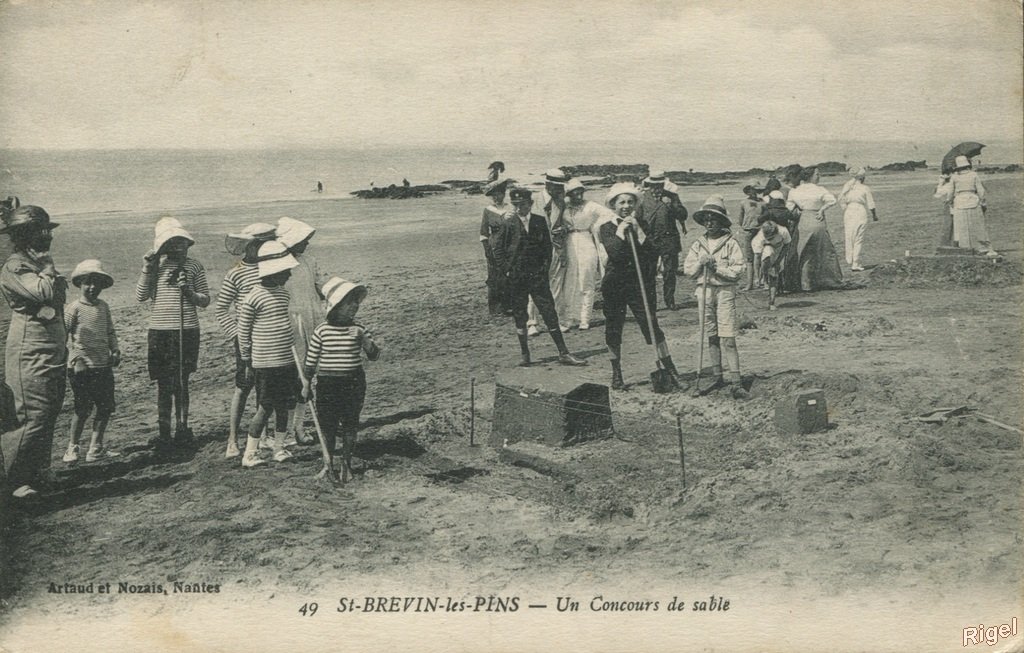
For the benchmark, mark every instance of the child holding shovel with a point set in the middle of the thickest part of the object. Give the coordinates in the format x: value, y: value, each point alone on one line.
x: 335, y: 357
x: 716, y: 261
x: 176, y: 285
x: 92, y: 356
x: 769, y: 247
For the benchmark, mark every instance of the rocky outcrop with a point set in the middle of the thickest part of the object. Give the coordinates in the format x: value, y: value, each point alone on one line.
x: 394, y: 192
x: 908, y: 166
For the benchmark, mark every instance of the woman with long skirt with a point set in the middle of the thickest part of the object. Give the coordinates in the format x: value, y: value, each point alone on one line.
x: 816, y: 255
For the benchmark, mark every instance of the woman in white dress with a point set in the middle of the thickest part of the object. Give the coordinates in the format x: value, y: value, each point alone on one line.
x: 818, y: 261
x: 857, y: 202
x: 967, y: 195
x: 582, y: 218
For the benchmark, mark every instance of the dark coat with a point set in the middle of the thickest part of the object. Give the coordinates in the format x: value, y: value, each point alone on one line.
x: 518, y: 253
x: 658, y: 218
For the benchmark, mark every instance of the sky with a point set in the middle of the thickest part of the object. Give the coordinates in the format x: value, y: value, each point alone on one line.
x: 224, y: 74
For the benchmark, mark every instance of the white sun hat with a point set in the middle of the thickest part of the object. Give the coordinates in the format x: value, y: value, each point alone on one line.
x: 235, y: 243
x: 274, y: 257
x: 574, y: 184
x: 291, y: 232
x: 170, y: 233
x: 337, y: 289
x: 91, y: 266
x: 621, y: 188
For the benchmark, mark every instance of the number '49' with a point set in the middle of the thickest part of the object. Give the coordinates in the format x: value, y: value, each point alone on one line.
x: 308, y: 609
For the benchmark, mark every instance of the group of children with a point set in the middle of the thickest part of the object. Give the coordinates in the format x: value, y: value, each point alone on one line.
x: 294, y: 340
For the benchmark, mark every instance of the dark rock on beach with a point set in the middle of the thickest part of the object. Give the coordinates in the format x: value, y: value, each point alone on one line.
x: 394, y: 192
x: 908, y: 166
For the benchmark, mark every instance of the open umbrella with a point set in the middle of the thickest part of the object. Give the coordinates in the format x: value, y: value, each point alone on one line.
x: 967, y: 149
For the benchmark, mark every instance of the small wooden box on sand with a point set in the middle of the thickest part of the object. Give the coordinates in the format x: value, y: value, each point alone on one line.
x: 804, y: 412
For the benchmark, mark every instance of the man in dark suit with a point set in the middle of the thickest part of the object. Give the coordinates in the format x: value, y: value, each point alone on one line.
x: 658, y: 214
x: 523, y: 255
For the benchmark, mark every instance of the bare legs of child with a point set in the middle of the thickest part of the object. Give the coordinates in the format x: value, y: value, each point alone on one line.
x: 237, y: 406
x: 252, y: 443
x: 168, y: 394
x: 99, y: 428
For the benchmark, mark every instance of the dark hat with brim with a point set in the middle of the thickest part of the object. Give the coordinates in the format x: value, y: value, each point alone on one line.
x: 713, y: 211
x: 24, y: 216
x: 520, y: 195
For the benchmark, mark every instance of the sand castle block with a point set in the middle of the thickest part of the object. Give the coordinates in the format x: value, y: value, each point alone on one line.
x: 543, y: 405
x: 804, y: 412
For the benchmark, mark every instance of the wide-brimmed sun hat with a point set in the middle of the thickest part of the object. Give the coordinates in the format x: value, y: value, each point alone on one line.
x: 962, y: 162
x: 91, y: 266
x: 555, y: 176
x: 520, y: 195
x: 24, y: 216
x: 235, y: 244
x: 291, y: 232
x: 574, y: 184
x: 497, y: 186
x: 337, y: 289
x: 713, y: 210
x: 168, y: 229
x: 621, y: 188
x: 655, y: 178
x: 274, y: 257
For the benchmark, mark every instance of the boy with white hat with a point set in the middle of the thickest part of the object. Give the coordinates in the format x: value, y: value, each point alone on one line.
x: 335, y: 357
x: 92, y: 356
x: 306, y: 306
x: 176, y: 284
x: 716, y: 261
x: 265, y: 340
x: 238, y: 282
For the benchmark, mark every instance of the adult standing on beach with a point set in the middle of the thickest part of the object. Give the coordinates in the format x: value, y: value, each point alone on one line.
x: 582, y: 265
x: 490, y: 227
x: 552, y: 201
x: 817, y: 258
x: 857, y: 202
x: 967, y: 195
x: 36, y: 350
x: 942, y: 193
x: 620, y: 287
x: 524, y: 255
x: 658, y: 215
x: 306, y: 305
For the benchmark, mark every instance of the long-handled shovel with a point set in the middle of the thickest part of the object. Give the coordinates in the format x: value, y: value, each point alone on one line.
x: 179, y: 412
x: 328, y: 469
x: 661, y: 379
x: 700, y: 355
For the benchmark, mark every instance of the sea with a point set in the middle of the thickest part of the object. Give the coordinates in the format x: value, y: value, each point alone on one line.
x: 117, y: 181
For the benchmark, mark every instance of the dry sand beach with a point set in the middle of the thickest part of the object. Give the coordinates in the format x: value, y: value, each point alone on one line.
x: 879, y: 525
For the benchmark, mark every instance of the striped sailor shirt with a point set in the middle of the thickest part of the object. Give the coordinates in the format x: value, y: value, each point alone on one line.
x: 264, y: 328
x: 238, y: 282
x: 164, y: 315
x: 334, y: 349
x: 91, y: 335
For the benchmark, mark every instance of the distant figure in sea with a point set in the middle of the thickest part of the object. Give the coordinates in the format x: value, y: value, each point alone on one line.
x: 751, y: 208
x: 490, y: 229
x: 967, y: 195
x: 523, y: 255
x: 36, y: 351
x: 621, y: 287
x: 583, y: 218
x: 319, y: 186
x: 663, y: 217
x: 175, y: 284
x: 818, y: 261
x: 857, y: 202
x: 405, y: 182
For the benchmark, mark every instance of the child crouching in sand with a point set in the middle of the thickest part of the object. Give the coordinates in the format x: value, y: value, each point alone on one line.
x: 265, y: 346
x: 335, y: 357
x: 92, y: 356
x: 769, y: 246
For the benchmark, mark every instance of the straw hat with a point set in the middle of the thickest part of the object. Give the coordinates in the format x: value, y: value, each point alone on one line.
x: 555, y: 176
x: 574, y: 184
x: 91, y: 266
x: 274, y: 257
x: 337, y: 289
x: 655, y: 178
x: 496, y: 186
x: 26, y: 215
x: 962, y: 162
x: 713, y: 209
x: 235, y: 243
x: 291, y: 232
x: 621, y: 188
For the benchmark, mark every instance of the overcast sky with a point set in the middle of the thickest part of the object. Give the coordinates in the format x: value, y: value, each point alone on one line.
x: 251, y: 74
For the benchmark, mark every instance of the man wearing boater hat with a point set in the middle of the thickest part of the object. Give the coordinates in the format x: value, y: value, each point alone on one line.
x: 658, y: 215
x: 553, y: 203
x: 523, y: 255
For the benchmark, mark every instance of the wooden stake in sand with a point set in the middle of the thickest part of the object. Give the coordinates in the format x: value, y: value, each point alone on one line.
x: 682, y: 454
x: 472, y: 408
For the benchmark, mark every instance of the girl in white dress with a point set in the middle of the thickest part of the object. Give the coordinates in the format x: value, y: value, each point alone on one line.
x: 582, y: 218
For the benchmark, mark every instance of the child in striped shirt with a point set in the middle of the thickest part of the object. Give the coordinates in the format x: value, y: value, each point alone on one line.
x: 265, y: 346
x: 238, y: 282
x: 176, y: 285
x: 335, y: 357
x: 92, y: 356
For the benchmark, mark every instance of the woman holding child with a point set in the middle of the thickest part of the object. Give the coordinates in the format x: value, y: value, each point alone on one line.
x: 36, y: 350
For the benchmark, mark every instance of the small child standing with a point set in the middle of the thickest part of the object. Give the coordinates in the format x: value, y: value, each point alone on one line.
x: 751, y: 209
x: 716, y: 261
x: 92, y: 356
x: 265, y: 348
x: 769, y: 246
x: 334, y: 356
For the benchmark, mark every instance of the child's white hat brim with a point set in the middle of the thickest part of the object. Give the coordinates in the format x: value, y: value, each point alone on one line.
x: 171, y: 233
x: 274, y: 257
x: 337, y: 289
x: 91, y: 266
x: 291, y: 232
